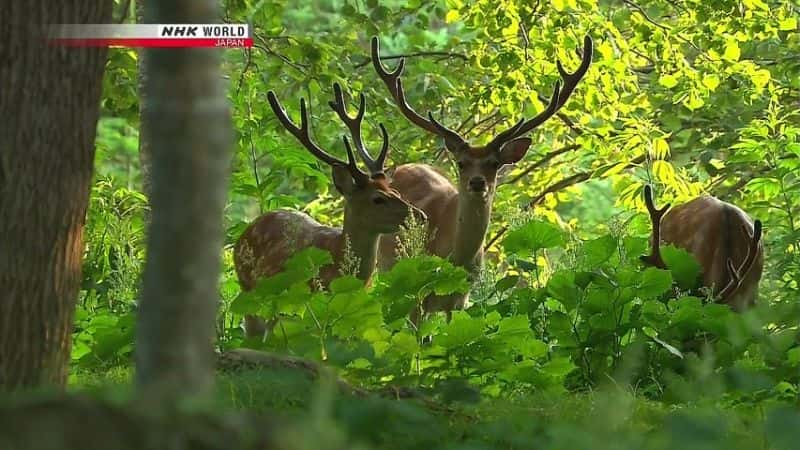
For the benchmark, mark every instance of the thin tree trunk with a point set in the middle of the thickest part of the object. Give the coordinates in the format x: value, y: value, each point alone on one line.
x: 144, y: 130
x: 189, y: 121
x: 49, y: 104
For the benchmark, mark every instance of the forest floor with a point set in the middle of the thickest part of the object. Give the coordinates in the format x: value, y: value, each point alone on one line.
x: 322, y: 417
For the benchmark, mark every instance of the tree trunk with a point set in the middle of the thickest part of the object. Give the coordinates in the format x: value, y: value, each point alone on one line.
x: 49, y: 102
x: 189, y: 124
x: 144, y: 130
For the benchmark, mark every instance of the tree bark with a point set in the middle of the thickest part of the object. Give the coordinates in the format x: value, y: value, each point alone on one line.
x: 49, y: 102
x: 144, y: 130
x: 190, y: 129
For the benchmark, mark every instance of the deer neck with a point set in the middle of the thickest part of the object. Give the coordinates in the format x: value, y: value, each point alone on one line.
x: 474, y: 213
x: 363, y: 245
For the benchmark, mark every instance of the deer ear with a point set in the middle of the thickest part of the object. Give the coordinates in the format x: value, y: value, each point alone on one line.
x: 515, y: 150
x: 343, y: 180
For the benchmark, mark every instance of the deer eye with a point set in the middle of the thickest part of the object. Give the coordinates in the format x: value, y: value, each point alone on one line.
x: 378, y: 200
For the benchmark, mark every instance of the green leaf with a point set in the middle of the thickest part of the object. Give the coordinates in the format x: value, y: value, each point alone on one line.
x: 506, y: 283
x: 635, y: 246
x: 687, y: 312
x: 514, y: 331
x: 405, y: 344
x: 462, y: 330
x: 598, y: 251
x: 309, y: 259
x: 562, y: 287
x: 600, y: 298
x: 420, y: 276
x: 732, y: 52
x: 668, y: 81
x: 793, y: 356
x: 345, y: 284
x: 683, y: 265
x: 660, y: 148
x: 296, y: 295
x: 760, y: 78
x: 669, y: 348
x: 654, y: 313
x: 560, y: 326
x: 788, y: 24
x: 452, y: 16
x: 353, y: 313
x: 245, y: 303
x: 654, y: 282
x: 765, y: 186
x: 559, y: 367
x: 533, y: 236
x: 533, y: 348
x: 711, y: 81
x: 603, y: 322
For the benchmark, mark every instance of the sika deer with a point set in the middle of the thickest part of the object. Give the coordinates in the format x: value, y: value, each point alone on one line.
x: 459, y: 215
x: 723, y: 239
x: 371, y: 208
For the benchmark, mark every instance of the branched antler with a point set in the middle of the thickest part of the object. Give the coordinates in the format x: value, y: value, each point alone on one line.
x: 353, y: 124
x: 654, y: 258
x: 737, y: 274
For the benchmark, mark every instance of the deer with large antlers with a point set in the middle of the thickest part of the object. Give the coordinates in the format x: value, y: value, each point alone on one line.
x: 723, y: 239
x: 371, y: 208
x: 459, y: 215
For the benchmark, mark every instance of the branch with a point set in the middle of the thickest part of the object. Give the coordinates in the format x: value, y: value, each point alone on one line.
x: 556, y: 187
x: 563, y: 117
x: 646, y: 17
x: 721, y: 192
x: 545, y: 159
x: 126, y: 8
x: 491, y: 116
x: 441, y: 55
x: 264, y: 47
x: 641, y: 11
x: 248, y: 62
x: 247, y: 359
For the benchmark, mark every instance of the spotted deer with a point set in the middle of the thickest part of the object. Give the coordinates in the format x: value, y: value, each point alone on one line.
x: 459, y: 214
x: 371, y: 207
x: 723, y: 239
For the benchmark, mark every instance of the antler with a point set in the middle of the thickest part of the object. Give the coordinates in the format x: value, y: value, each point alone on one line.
x: 654, y: 258
x: 375, y: 166
x: 302, y: 135
x: 455, y: 141
x: 737, y: 274
x: 395, y: 84
x: 560, y: 94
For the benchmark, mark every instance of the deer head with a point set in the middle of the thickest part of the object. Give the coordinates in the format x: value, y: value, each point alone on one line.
x: 371, y: 205
x: 478, y: 164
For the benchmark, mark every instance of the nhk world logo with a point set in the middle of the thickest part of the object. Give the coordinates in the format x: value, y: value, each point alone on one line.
x: 154, y: 35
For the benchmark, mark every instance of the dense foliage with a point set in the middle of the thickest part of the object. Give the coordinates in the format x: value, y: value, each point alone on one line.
x: 690, y: 96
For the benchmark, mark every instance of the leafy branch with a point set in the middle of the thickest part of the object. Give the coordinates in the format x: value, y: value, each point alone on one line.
x: 440, y: 56
x: 560, y: 185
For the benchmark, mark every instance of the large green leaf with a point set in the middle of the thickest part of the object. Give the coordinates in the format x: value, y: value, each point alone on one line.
x: 598, y: 251
x: 654, y: 282
x: 684, y: 267
x: 533, y: 236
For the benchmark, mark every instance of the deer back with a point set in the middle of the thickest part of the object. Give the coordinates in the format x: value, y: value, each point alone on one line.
x: 427, y: 189
x: 273, y: 238
x: 711, y: 230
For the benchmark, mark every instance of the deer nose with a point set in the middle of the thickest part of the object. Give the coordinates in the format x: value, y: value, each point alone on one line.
x: 477, y: 184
